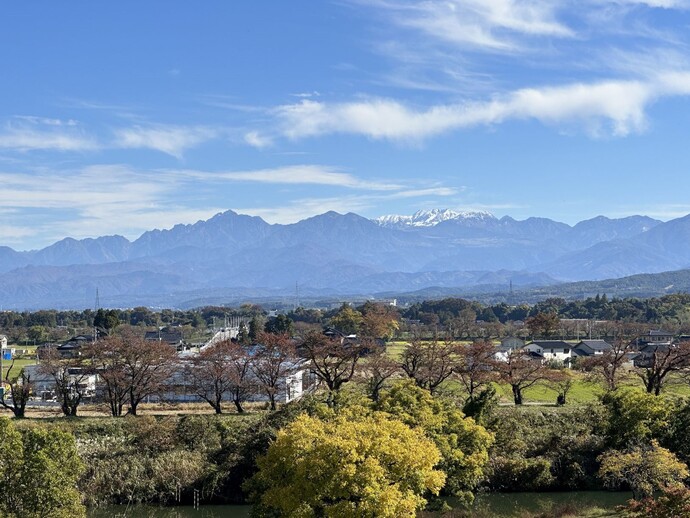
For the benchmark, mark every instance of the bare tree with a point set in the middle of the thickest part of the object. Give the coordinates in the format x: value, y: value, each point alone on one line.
x: 521, y: 372
x: 333, y: 361
x: 610, y: 365
x: 209, y: 373
x: 218, y: 370
x: 274, y: 361
x: 474, y: 366
x: 543, y: 324
x: 70, y: 377
x: 376, y: 368
x: 148, y: 367
x: 108, y: 361
x: 20, y: 391
x: 428, y: 363
x: 242, y: 384
x: 657, y: 362
x: 562, y: 381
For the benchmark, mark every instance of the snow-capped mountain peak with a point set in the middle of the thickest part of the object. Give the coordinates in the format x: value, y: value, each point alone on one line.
x: 430, y: 218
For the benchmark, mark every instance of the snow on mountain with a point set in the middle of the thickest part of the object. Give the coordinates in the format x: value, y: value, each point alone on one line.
x: 431, y: 218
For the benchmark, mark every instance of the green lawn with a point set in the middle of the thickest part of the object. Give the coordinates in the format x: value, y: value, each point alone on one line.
x: 582, y: 391
x: 18, y: 365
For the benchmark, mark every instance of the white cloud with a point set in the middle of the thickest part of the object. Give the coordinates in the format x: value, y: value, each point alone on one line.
x: 616, y: 106
x: 29, y: 138
x: 663, y: 4
x: 483, y: 24
x: 257, y: 140
x: 298, y: 174
x: 47, y: 121
x: 116, y: 199
x: 92, y: 201
x: 432, y: 191
x: 173, y: 140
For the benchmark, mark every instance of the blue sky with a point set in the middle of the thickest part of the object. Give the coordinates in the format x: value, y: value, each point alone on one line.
x: 119, y: 117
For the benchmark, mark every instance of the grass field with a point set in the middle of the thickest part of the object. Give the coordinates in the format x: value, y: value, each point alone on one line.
x: 582, y: 392
x: 19, y: 364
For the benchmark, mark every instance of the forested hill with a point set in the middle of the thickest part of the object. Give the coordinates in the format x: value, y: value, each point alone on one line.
x: 634, y: 286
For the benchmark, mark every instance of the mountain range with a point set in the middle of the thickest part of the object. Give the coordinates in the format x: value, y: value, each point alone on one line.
x: 337, y: 255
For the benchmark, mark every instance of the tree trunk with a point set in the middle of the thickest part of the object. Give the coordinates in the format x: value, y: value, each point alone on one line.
x: 657, y: 387
x: 238, y: 406
x: 517, y: 395
x: 133, y: 407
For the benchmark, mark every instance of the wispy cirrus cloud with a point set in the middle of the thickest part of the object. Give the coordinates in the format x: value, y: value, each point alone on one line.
x: 616, y: 107
x: 88, y: 202
x: 170, y: 139
x: 663, y: 4
x: 479, y: 24
x: 29, y: 133
x: 298, y: 174
x: 110, y: 198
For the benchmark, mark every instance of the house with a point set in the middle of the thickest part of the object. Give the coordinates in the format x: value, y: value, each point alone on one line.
x: 3, y: 341
x: 646, y: 355
x: 179, y: 388
x: 71, y: 348
x: 171, y: 337
x: 551, y: 350
x: 655, y: 336
x: 591, y: 348
x: 335, y: 334
x: 508, y: 345
x: 44, y: 384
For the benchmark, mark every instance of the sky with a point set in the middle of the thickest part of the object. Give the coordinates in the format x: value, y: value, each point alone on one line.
x: 121, y: 117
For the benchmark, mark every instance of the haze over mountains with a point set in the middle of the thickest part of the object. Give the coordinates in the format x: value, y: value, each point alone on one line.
x: 334, y: 254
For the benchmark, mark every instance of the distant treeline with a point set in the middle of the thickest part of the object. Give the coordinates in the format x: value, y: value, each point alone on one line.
x: 670, y: 311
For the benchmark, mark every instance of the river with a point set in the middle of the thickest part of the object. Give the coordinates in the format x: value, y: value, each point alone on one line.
x: 490, y: 504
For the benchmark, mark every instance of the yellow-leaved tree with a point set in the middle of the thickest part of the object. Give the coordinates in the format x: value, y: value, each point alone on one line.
x: 371, y: 466
x: 464, y: 445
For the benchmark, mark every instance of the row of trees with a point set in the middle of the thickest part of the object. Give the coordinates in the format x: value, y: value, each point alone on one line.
x: 130, y: 370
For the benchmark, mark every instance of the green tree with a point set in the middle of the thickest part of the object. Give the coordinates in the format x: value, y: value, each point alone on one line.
x: 279, y: 325
x: 256, y: 327
x: 644, y: 469
x: 106, y: 320
x: 347, y: 320
x: 635, y: 417
x: 464, y: 445
x: 372, y: 466
x: 39, y: 471
x: 37, y: 334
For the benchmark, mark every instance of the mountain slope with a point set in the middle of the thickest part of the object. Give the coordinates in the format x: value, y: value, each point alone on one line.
x: 339, y: 253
